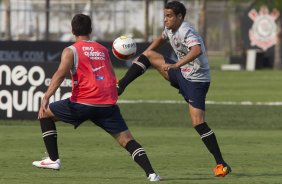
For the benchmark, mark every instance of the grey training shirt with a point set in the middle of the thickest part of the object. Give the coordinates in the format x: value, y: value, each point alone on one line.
x: 181, y: 40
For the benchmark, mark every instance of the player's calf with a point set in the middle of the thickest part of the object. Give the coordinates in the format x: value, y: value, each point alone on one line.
x: 139, y: 155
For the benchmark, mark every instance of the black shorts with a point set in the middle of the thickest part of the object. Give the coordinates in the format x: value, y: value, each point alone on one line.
x: 108, y: 118
x: 193, y: 92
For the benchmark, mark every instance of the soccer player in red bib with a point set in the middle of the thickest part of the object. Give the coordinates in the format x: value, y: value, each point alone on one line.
x: 93, y: 98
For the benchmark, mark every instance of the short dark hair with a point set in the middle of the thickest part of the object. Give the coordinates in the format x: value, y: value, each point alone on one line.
x: 81, y: 25
x: 177, y: 8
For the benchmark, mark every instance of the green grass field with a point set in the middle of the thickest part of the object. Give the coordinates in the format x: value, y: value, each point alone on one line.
x: 249, y: 136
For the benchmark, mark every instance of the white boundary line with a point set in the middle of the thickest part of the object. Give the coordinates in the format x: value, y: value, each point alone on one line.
x: 207, y: 102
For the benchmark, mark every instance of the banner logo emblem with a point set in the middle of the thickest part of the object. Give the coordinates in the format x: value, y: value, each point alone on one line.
x: 263, y: 33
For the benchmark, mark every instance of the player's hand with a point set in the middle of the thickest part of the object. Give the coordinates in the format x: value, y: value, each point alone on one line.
x: 43, y: 107
x: 167, y: 67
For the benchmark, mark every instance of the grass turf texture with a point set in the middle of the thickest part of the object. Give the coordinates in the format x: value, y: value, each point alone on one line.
x: 91, y: 156
x: 249, y: 136
x: 257, y: 86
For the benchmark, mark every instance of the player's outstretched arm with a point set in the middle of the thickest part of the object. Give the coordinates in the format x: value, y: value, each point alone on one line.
x: 156, y: 43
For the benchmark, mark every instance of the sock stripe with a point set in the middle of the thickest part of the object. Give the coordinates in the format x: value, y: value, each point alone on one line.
x: 136, y: 152
x: 141, y: 65
x: 51, y: 132
x: 207, y: 134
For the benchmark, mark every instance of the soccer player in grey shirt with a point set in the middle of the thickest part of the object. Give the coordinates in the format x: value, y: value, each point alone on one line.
x: 190, y: 74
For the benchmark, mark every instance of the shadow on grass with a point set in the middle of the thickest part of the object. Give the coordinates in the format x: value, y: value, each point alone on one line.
x: 241, y: 175
x: 185, y: 179
x: 198, y: 177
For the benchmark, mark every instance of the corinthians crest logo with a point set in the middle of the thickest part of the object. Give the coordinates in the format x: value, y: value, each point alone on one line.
x: 263, y: 33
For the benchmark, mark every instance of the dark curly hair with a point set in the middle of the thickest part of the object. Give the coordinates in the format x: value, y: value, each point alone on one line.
x: 81, y: 25
x: 177, y: 8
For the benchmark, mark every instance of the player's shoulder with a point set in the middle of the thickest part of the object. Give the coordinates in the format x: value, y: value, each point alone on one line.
x: 185, y: 27
x: 68, y: 50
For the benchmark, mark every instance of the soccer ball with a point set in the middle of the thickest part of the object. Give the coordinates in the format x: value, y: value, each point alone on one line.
x: 124, y: 48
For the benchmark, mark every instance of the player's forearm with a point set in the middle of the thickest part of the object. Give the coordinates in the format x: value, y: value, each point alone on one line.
x: 191, y: 56
x: 195, y: 51
x: 56, y: 81
x: 156, y: 43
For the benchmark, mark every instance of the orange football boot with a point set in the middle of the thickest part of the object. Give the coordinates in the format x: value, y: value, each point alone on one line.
x: 221, y: 171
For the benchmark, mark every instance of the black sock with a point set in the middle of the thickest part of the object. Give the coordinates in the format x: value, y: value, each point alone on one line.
x: 209, y: 138
x: 135, y: 70
x: 49, y: 134
x: 139, y: 156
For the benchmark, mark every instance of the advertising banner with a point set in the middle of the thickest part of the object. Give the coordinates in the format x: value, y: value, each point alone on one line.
x: 43, y: 52
x: 22, y: 87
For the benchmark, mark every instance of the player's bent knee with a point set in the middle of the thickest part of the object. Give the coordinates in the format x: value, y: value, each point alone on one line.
x: 123, y: 138
x: 123, y: 142
x: 52, y: 118
x: 149, y: 54
x: 49, y: 114
x: 197, y: 119
x: 196, y: 123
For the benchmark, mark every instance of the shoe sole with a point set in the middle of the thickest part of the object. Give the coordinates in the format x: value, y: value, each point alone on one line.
x: 46, y: 168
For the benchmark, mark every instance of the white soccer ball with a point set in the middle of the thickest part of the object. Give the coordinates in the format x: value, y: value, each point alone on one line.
x: 124, y: 48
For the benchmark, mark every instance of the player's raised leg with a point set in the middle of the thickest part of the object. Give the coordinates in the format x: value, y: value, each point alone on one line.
x: 139, y: 66
x: 157, y: 61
